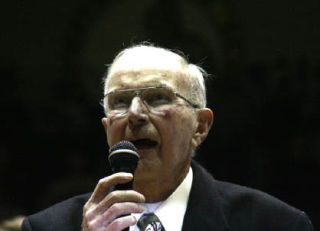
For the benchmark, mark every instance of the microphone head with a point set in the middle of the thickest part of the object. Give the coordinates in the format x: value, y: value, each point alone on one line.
x: 123, y: 157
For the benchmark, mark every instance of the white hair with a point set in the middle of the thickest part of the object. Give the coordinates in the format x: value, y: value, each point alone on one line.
x: 151, y: 57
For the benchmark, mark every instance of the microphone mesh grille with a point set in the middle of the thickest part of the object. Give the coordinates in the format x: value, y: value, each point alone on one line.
x: 123, y: 145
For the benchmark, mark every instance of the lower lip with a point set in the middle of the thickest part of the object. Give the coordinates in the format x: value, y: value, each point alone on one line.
x: 146, y: 148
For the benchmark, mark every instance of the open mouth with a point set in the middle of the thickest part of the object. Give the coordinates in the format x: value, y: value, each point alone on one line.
x: 144, y: 143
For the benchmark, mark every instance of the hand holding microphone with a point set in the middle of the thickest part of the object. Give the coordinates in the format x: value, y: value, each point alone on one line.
x: 107, y: 210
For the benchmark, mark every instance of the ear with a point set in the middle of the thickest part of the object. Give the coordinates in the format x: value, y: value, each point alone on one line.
x: 204, y: 123
x: 104, y: 122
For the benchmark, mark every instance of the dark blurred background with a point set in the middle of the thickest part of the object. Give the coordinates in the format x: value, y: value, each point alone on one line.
x: 264, y: 61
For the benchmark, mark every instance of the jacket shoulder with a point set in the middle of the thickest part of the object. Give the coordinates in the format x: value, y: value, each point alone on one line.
x: 253, y: 208
x: 66, y: 215
x: 244, y: 208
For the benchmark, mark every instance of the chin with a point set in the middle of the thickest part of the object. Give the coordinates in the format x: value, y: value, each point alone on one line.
x: 144, y: 172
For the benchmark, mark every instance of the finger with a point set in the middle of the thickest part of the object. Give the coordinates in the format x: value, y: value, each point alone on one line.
x: 122, y: 196
x: 119, y: 210
x: 122, y: 223
x: 115, y: 197
x: 104, y: 185
x: 116, y: 210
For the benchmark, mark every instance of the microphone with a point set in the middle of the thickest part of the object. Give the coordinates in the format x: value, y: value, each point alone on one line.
x: 123, y: 157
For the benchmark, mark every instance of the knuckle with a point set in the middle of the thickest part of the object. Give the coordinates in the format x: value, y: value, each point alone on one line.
x: 115, y: 225
x: 91, y: 226
x: 114, y: 197
x: 87, y: 215
x: 86, y: 207
x: 101, y: 181
x: 114, y: 208
x: 113, y: 194
x: 88, y: 212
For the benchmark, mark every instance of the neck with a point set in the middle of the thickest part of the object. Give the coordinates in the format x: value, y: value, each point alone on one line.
x: 159, y: 189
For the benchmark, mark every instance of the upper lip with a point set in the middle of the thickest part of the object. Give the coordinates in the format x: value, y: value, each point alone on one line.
x: 146, y: 138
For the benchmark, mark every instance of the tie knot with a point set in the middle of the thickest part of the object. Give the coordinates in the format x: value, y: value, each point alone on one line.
x: 150, y: 222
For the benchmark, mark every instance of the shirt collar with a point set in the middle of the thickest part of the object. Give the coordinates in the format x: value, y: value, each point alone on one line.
x: 171, y: 211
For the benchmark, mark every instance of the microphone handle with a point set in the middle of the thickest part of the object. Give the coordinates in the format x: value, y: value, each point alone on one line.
x: 124, y: 168
x: 125, y: 186
x: 129, y: 168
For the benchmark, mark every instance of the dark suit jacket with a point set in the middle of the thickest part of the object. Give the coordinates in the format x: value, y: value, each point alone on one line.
x: 213, y: 205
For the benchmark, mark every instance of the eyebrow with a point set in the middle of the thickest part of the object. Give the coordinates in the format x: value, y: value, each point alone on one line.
x: 157, y: 85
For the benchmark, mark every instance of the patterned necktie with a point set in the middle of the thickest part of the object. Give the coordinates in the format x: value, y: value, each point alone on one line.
x: 150, y: 222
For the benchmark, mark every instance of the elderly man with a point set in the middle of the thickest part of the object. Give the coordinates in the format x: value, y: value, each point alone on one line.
x: 157, y: 100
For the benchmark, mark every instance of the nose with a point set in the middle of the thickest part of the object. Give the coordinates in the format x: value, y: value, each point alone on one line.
x: 137, y: 113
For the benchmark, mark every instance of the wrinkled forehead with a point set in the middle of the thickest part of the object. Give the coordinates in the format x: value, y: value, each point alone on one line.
x: 147, y: 67
x: 126, y: 79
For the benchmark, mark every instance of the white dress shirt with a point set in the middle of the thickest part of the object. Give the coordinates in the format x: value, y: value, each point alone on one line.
x: 171, y: 211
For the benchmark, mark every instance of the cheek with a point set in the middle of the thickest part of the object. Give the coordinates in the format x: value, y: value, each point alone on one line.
x: 176, y: 127
x: 111, y: 120
x: 114, y: 131
x: 167, y: 114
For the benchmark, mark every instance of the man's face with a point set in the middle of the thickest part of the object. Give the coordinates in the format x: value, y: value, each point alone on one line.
x: 163, y: 140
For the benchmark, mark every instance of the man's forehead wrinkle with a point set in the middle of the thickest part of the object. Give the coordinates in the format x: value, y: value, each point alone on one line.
x: 145, y: 71
x: 122, y: 79
x: 132, y: 84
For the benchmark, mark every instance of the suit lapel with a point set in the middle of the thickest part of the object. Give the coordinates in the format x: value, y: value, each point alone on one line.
x: 204, y: 210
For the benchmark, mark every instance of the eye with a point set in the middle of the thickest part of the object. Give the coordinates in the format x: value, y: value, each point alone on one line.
x: 119, y: 101
x: 158, y: 97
